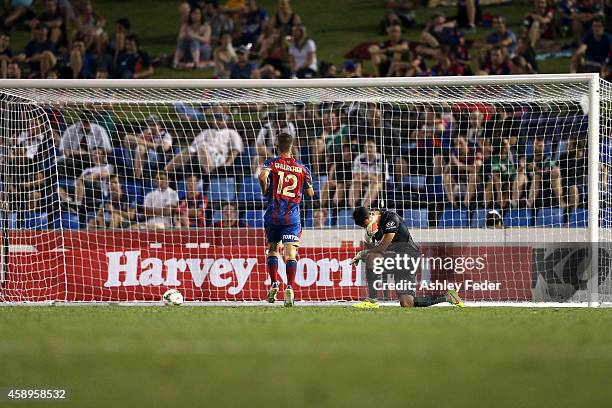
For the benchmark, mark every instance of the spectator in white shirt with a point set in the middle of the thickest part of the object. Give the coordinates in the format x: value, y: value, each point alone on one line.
x: 302, y: 54
x: 78, y: 140
x: 26, y: 167
x: 160, y: 204
x: 152, y: 148
x: 367, y: 176
x: 266, y: 138
x: 215, y: 147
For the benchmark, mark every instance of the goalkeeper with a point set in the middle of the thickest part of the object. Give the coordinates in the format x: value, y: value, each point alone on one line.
x: 388, y: 236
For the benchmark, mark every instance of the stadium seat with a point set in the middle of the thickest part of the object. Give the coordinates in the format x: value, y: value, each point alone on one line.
x: 579, y: 218
x: 318, y: 183
x: 243, y: 161
x: 453, y: 218
x: 518, y: 217
x: 416, y: 218
x: 605, y: 220
x: 254, y: 218
x: 435, y: 190
x: 68, y: 220
x: 12, y: 220
x: 344, y: 218
x: 35, y: 220
x: 134, y: 191
x: 561, y: 147
x: 605, y: 151
x: 222, y: 189
x: 122, y: 161
x: 250, y: 190
x: 567, y: 125
x: 549, y: 217
x: 180, y: 189
x: 479, y: 218
x: 67, y: 183
x: 416, y: 183
x: 217, y: 216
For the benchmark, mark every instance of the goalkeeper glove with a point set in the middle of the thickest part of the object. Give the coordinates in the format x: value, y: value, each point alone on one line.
x: 358, y: 258
x: 371, y: 230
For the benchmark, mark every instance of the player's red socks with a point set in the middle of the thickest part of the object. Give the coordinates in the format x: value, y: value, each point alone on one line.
x: 273, y: 268
x: 291, y: 268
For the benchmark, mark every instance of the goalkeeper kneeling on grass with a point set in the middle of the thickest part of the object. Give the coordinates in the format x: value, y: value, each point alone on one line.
x: 387, y: 237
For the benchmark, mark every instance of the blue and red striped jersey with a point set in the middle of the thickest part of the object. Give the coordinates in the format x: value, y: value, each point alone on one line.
x: 287, y: 179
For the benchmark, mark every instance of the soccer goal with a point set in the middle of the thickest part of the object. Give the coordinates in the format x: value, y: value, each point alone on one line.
x: 117, y: 190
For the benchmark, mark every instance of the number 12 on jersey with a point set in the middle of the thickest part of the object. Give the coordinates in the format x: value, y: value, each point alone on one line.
x: 287, y: 183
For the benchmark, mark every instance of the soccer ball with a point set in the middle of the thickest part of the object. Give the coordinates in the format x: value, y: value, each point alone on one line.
x: 371, y: 230
x: 172, y: 297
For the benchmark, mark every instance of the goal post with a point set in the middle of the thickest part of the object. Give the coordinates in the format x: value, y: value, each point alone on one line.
x: 593, y: 182
x: 117, y: 190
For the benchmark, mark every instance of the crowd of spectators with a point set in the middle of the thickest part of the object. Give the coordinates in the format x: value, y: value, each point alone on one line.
x: 69, y: 39
x: 240, y: 39
x: 196, y: 172
x: 436, y: 157
x: 443, y: 50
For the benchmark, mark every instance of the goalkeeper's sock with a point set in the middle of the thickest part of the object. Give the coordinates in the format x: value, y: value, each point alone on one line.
x: 291, y: 270
x: 371, y: 277
x: 273, y: 268
x: 428, y: 300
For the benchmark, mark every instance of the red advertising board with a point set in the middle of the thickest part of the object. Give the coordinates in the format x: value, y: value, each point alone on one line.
x: 214, y: 265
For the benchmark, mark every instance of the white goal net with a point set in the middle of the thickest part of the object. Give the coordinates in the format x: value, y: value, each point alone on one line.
x: 120, y: 190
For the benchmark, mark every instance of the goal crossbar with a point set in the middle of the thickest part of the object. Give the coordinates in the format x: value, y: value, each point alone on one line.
x: 302, y: 83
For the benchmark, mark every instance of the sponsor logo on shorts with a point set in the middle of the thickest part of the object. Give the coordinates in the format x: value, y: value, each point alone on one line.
x: 290, y: 237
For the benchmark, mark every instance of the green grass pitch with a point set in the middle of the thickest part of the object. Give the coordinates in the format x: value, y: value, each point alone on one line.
x: 310, y: 356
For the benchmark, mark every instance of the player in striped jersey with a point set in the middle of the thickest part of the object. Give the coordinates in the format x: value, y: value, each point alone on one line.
x: 282, y: 180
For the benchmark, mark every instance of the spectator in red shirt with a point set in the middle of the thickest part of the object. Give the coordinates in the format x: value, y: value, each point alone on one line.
x: 274, y: 51
x: 427, y: 149
x: 405, y: 65
x: 116, y: 211
x: 446, y: 66
x: 6, y: 55
x: 497, y: 64
x: 191, y: 209
x: 460, y: 175
x: 383, y: 54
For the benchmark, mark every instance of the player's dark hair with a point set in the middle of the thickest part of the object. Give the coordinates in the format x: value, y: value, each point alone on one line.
x: 284, y: 142
x: 361, y: 215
